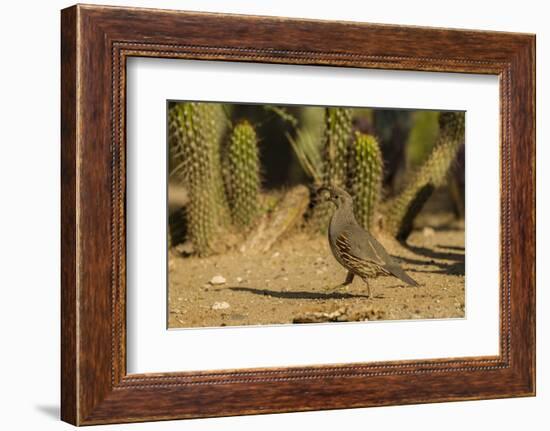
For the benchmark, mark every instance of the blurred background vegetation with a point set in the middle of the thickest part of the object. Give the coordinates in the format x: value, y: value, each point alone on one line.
x: 235, y: 163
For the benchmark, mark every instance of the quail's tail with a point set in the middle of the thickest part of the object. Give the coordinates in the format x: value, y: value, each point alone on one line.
x: 402, y: 275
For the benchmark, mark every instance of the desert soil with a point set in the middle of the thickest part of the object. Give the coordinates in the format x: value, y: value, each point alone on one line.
x: 298, y: 280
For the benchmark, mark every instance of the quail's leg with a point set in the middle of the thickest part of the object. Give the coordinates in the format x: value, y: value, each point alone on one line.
x: 365, y: 279
x: 347, y: 281
x: 349, y: 278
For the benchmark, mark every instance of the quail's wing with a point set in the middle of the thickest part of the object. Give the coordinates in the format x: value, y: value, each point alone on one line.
x: 364, y: 246
x: 358, y: 244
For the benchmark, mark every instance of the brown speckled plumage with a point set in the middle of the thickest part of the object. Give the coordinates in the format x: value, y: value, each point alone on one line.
x: 355, y: 248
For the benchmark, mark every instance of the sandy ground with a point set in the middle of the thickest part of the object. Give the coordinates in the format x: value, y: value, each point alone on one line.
x: 297, y: 282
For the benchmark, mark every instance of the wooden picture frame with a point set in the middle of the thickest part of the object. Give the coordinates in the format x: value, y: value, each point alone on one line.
x: 95, y: 43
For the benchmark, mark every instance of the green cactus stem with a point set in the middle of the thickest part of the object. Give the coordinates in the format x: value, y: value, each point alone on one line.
x: 194, y: 145
x: 216, y: 125
x: 335, y: 161
x: 365, y: 177
x: 242, y: 174
x: 402, y: 210
x: 335, y: 151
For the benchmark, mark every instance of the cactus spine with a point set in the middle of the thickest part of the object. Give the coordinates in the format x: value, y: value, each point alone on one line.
x: 216, y: 124
x: 242, y: 174
x: 195, y: 151
x: 365, y: 179
x: 335, y: 160
x: 337, y: 133
x: 402, y: 210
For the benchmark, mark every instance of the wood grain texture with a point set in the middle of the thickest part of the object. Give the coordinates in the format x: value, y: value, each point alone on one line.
x: 96, y: 41
x: 69, y: 371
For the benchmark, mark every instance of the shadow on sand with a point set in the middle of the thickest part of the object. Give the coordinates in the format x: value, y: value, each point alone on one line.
x: 296, y: 294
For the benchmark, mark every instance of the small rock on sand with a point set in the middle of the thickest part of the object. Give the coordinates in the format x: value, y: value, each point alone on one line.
x: 220, y: 305
x: 216, y: 280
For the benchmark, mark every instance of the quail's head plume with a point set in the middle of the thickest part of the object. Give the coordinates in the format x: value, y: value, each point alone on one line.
x: 355, y: 248
x: 337, y: 196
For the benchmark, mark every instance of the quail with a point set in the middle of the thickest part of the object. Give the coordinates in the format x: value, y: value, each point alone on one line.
x: 355, y: 248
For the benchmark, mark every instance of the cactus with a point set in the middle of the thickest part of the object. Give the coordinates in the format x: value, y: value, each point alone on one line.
x: 216, y: 122
x: 194, y: 139
x: 335, y: 160
x: 337, y: 133
x: 242, y: 174
x: 365, y: 177
x: 402, y: 210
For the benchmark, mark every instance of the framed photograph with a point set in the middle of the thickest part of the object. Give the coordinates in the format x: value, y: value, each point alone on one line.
x: 264, y: 214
